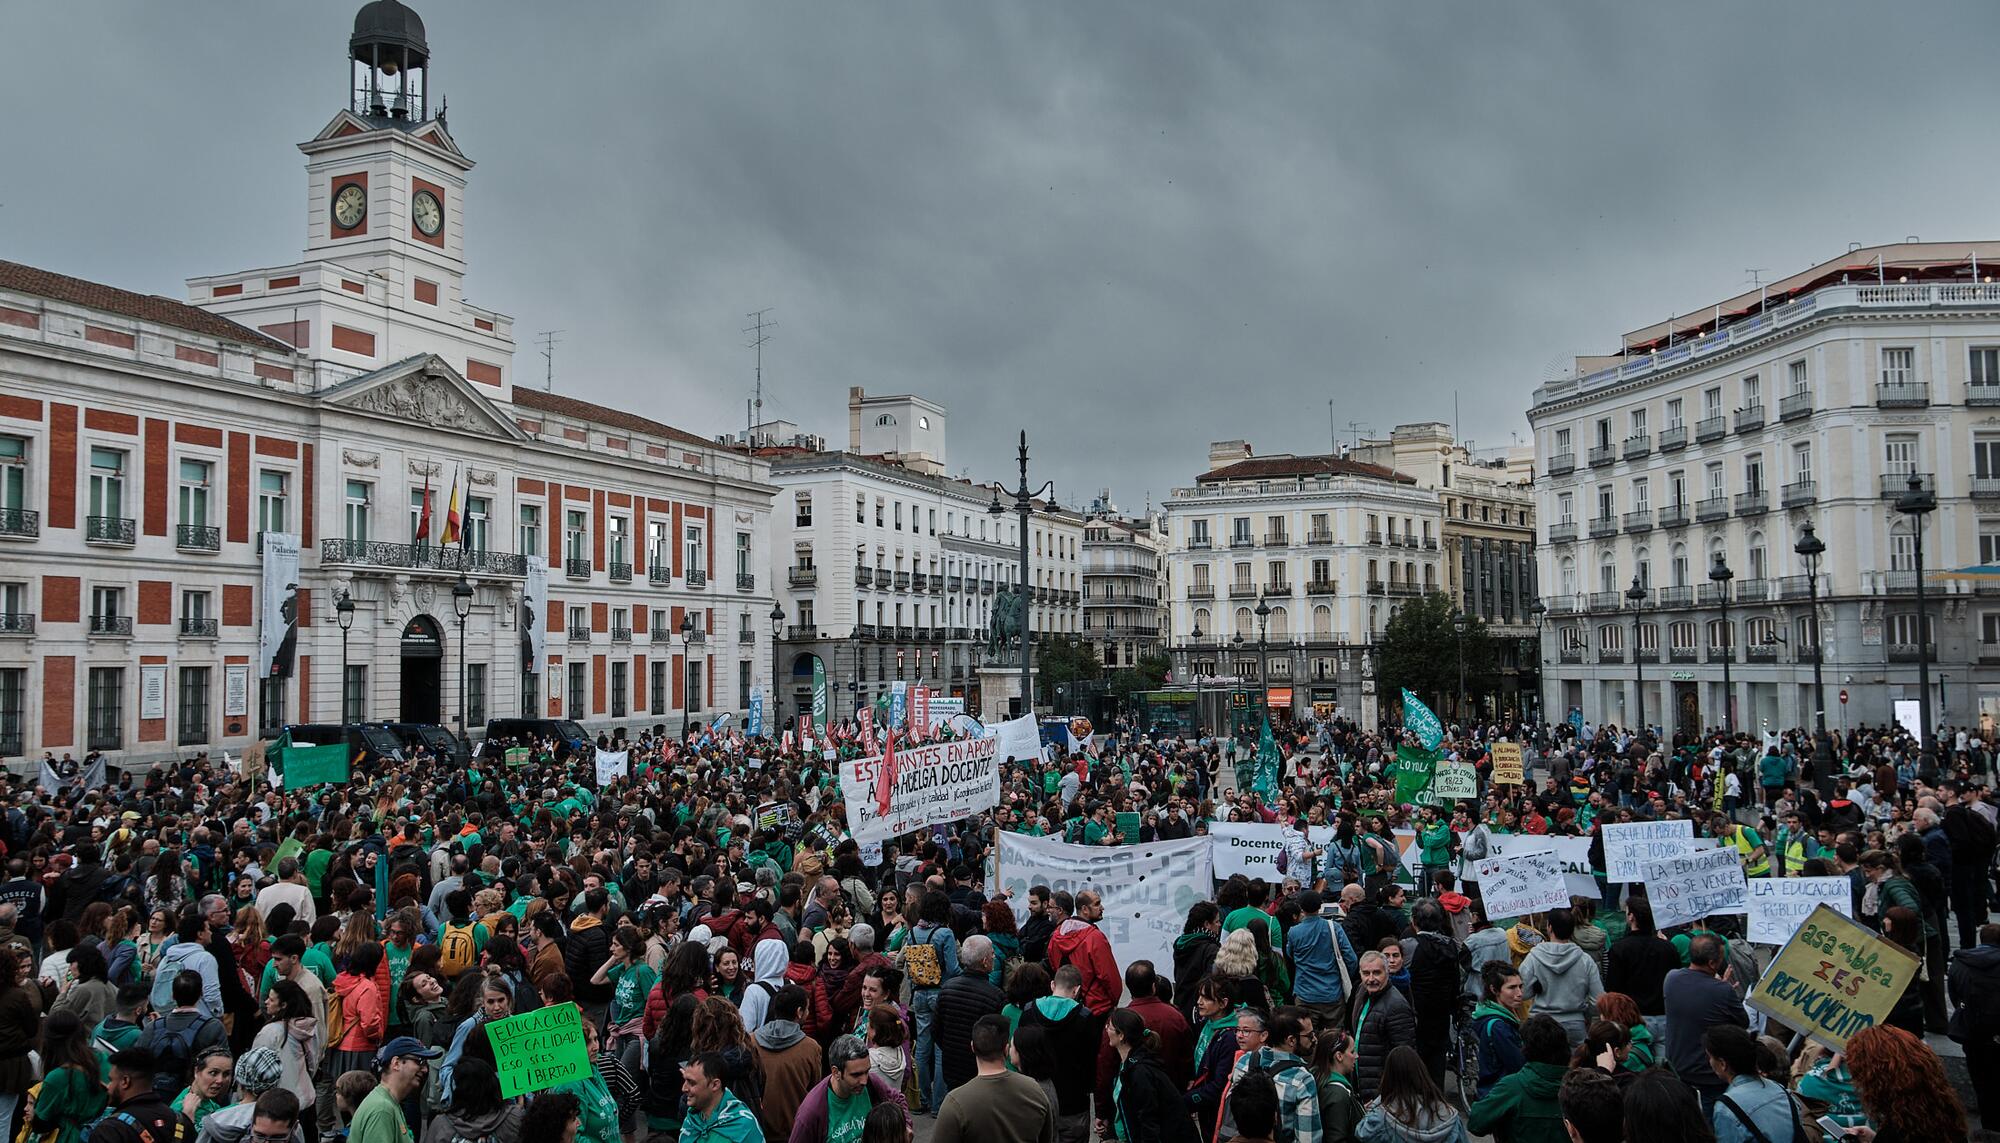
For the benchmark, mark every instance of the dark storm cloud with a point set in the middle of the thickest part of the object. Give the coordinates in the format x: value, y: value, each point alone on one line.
x: 1130, y: 228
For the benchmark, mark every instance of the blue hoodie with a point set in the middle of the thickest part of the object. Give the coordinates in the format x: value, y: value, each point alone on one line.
x: 1311, y: 943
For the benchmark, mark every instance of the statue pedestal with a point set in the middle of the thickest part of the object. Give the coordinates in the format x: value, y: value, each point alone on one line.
x: 999, y: 688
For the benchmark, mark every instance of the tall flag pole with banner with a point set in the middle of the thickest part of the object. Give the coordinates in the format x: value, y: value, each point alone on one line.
x: 424, y: 513
x: 1265, y: 782
x: 1415, y: 770
x: 885, y: 782
x: 819, y: 697
x: 1419, y: 720
x: 453, y: 523
x: 754, y: 725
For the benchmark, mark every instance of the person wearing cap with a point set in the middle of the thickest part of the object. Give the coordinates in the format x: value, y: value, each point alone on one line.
x: 257, y: 1071
x: 403, y: 1063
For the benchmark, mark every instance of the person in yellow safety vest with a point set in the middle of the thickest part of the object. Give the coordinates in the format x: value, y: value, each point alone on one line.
x: 1749, y: 847
x: 1796, y: 845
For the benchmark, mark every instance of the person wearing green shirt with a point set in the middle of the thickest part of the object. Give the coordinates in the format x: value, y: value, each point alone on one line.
x: 208, y: 1091
x: 404, y: 1063
x: 598, y: 1107
x: 1434, y: 840
x: 836, y: 1109
x: 73, y: 1091
x: 631, y: 979
x: 316, y: 863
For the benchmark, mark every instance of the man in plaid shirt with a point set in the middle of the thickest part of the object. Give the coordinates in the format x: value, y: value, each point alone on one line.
x: 1289, y: 1040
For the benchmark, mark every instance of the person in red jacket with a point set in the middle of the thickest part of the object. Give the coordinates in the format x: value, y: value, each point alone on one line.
x: 1176, y: 1050
x: 817, y: 1019
x: 1078, y: 941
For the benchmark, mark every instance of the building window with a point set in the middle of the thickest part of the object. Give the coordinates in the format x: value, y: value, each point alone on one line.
x: 354, y: 694
x: 475, y: 695
x: 1983, y: 366
x: 106, y: 603
x: 531, y: 529
x: 1900, y: 454
x: 194, y: 493
x: 1674, y: 416
x: 356, y: 512
x: 1753, y: 392
x: 617, y: 531
x: 107, y: 483
x: 1899, y: 366
x: 270, y: 705
x: 273, y: 501
x: 106, y: 715
x: 619, y: 668
x: 1796, y: 374
x: 693, y: 540
x: 742, y: 556
x: 656, y: 694
x: 694, y: 672
x: 194, y: 706
x: 743, y: 684
x: 659, y: 549
x: 802, y: 510
x: 579, y: 691
x: 1681, y: 635
x: 478, y: 510
x: 13, y: 475
x: 576, y: 536
x: 1802, y: 468
x: 13, y: 707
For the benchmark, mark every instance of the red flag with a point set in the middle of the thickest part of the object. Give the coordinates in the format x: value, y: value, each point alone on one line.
x: 424, y: 515
x: 885, y: 782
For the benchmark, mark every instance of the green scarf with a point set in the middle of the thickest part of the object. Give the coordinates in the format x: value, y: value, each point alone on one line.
x: 1208, y: 1031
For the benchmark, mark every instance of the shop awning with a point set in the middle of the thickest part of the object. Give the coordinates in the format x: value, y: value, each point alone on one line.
x: 1278, y: 696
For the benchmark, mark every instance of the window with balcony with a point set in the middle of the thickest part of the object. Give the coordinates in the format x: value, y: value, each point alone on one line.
x: 107, y: 611
x: 617, y: 542
x: 1753, y: 473
x: 14, y: 616
x: 274, y: 510
x: 1900, y: 454
x: 478, y: 513
x: 1637, y: 421
x: 1565, y: 508
x: 1899, y: 367
x: 1675, y: 418
x: 659, y: 551
x: 1753, y: 392
x: 197, y: 615
x: 1711, y: 403
x: 576, y: 542
x: 802, y: 510
x: 13, y: 473
x: 1802, y: 466
x: 421, y: 531
x: 693, y: 550
x: 355, y: 511
x: 1198, y: 533
x: 1642, y: 495
x: 107, y: 483
x: 1239, y: 532
x: 745, y: 574
x: 193, y: 500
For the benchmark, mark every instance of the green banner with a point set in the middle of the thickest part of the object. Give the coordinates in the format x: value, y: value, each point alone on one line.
x: 538, y: 1050
x: 302, y: 766
x: 819, y: 697
x: 519, y: 755
x: 1128, y: 826
x: 1265, y: 774
x: 1414, y: 770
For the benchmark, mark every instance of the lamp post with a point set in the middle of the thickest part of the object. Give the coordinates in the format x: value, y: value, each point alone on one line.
x: 1636, y: 595
x: 1540, y: 614
x: 461, y: 602
x: 1810, y: 548
x: 1458, y: 625
x: 687, y: 688
x: 1263, y: 661
x: 777, y: 628
x: 1720, y: 575
x: 1024, y: 503
x: 343, y: 613
x: 1916, y: 503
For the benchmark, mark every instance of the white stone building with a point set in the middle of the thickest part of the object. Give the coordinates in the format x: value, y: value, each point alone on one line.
x: 1124, y: 586
x: 1334, y: 546
x: 887, y: 568
x: 149, y: 447
x: 1722, y: 434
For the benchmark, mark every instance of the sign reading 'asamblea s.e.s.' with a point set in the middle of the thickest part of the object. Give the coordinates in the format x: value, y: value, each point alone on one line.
x: 1833, y: 979
x: 934, y: 784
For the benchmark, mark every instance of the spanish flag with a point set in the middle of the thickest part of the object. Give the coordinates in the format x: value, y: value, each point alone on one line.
x: 454, y: 520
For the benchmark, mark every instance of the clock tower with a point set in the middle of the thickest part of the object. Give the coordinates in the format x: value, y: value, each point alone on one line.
x: 385, y: 237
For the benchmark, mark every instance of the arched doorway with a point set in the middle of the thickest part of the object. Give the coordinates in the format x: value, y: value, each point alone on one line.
x: 423, y: 670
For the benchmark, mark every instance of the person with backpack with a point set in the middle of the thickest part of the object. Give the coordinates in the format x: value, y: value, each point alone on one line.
x: 461, y: 938
x: 930, y: 957
x: 357, y: 1014
x: 181, y: 1034
x: 189, y: 953
x: 771, y: 963
x: 1289, y: 1039
x: 138, y: 1112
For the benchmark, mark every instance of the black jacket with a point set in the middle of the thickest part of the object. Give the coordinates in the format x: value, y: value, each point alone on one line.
x: 1035, y: 937
x: 1367, y: 923
x: 1637, y: 965
x: 1391, y: 1021
x: 961, y: 1002
x: 1194, y: 958
x: 155, y: 1122
x: 1150, y: 1105
x: 583, y: 955
x: 1073, y: 1042
x: 1437, y: 975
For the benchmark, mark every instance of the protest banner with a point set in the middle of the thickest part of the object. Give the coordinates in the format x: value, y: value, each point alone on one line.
x: 1252, y: 849
x: 1695, y: 885
x: 772, y: 816
x: 1018, y: 739
x: 1628, y: 846
x: 519, y: 755
x: 1521, y: 884
x: 1415, y: 769
x: 1147, y: 889
x: 538, y: 1050
x: 1572, y: 854
x: 1421, y: 721
x: 1779, y: 905
x: 1833, y: 979
x: 933, y: 784
x: 1508, y: 769
x: 612, y: 765
x: 1128, y: 827
x: 1409, y: 856
x: 304, y: 766
x: 1455, y: 780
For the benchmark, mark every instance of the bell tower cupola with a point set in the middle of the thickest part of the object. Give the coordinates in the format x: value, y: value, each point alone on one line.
x: 389, y: 63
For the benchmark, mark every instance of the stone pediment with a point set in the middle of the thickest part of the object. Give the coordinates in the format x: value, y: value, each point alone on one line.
x: 423, y: 391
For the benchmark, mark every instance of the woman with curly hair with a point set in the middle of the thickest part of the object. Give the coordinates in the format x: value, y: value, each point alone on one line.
x: 1903, y: 1089
x: 998, y: 917
x: 718, y: 1027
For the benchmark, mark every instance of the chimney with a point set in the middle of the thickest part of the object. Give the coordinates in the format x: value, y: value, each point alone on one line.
x: 1222, y: 454
x: 854, y: 398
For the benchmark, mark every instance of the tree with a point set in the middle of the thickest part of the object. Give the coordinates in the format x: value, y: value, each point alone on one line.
x: 1065, y: 659
x: 1148, y: 674
x: 1420, y: 651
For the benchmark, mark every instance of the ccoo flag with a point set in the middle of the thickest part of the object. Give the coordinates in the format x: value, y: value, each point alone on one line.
x: 1418, y: 720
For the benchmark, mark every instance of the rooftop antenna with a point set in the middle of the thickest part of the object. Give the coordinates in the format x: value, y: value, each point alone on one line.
x: 1757, y: 279
x: 549, y: 338
x: 1356, y: 428
x: 756, y: 329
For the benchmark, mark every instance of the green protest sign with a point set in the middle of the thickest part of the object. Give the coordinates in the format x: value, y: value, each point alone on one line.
x: 1414, y: 770
x: 538, y: 1050
x: 1128, y: 825
x: 519, y: 755
x: 304, y: 766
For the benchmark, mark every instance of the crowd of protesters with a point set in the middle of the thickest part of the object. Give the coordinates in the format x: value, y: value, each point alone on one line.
x: 194, y: 953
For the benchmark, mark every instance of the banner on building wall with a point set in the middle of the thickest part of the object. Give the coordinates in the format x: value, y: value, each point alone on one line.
x: 278, y: 611
x: 819, y: 696
x: 534, y: 617
x: 932, y: 785
x: 1147, y: 889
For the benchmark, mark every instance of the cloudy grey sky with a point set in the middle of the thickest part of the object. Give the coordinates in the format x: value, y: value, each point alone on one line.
x: 1129, y: 227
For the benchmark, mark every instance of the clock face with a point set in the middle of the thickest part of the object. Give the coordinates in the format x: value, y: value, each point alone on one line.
x: 350, y: 206
x: 427, y: 212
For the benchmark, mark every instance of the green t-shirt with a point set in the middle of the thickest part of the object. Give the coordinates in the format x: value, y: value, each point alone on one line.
x: 600, y: 1110
x: 631, y: 983
x: 316, y: 863
x: 846, y: 1117
x: 202, y: 1111
x: 379, y: 1119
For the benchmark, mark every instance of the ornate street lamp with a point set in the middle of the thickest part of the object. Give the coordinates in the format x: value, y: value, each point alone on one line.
x: 1916, y: 503
x: 1024, y: 507
x: 1810, y: 548
x: 1636, y: 596
x: 1720, y: 575
x: 461, y: 602
x: 1458, y: 627
x: 343, y: 614
x: 777, y: 629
